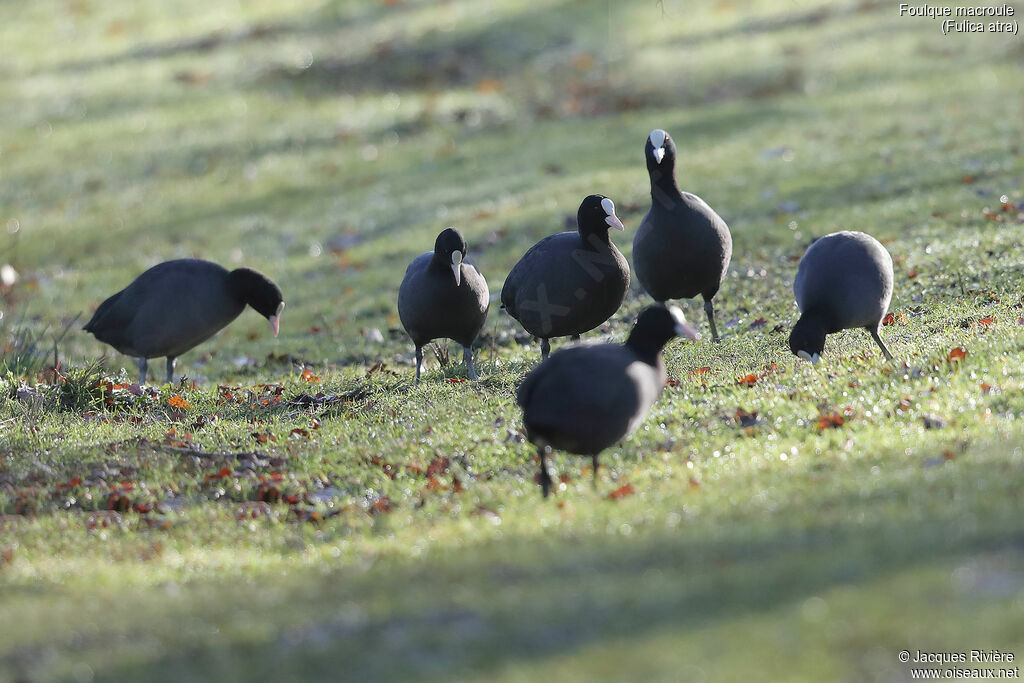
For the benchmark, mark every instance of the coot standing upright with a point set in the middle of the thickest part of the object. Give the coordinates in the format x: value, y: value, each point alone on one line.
x: 444, y: 296
x: 570, y: 282
x: 176, y: 305
x: 682, y: 247
x: 586, y: 398
x: 844, y: 281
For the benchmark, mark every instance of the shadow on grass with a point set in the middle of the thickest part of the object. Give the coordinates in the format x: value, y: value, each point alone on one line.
x: 785, y: 21
x: 324, y: 20
x: 439, y: 60
x: 532, y: 597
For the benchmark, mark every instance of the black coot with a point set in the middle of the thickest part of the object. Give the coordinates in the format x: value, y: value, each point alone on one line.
x: 570, y: 282
x: 176, y: 305
x: 682, y: 247
x: 444, y: 296
x: 844, y: 281
x: 586, y: 398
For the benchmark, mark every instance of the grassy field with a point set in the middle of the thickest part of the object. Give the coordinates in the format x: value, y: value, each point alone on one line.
x: 298, y: 508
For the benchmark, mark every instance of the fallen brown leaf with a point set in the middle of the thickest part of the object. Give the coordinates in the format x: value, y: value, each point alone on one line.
x: 956, y: 354
x: 831, y: 420
x: 623, y: 491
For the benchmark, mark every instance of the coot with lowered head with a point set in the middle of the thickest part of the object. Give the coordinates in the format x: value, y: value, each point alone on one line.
x: 844, y: 281
x: 176, y: 305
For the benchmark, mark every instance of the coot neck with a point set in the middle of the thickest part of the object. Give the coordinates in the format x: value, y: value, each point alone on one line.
x: 438, y: 263
x: 663, y: 182
x: 647, y: 350
x: 595, y: 240
x: 253, y: 288
x: 240, y: 285
x: 818, y: 320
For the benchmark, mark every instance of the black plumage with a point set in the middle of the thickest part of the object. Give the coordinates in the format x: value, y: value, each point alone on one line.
x: 176, y: 305
x: 444, y: 296
x: 586, y: 398
x: 682, y: 247
x: 844, y: 281
x: 570, y: 282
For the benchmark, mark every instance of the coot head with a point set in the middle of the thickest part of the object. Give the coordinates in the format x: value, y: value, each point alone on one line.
x: 260, y: 292
x: 807, y: 340
x: 450, y: 249
x: 660, y: 151
x: 596, y: 215
x: 656, y: 326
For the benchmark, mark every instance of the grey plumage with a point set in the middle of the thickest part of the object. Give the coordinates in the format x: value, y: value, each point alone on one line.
x: 844, y: 281
x: 586, y: 398
x: 571, y: 282
x: 444, y: 296
x: 682, y: 247
x: 176, y: 305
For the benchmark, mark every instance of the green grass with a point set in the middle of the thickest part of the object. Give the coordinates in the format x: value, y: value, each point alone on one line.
x: 327, y: 143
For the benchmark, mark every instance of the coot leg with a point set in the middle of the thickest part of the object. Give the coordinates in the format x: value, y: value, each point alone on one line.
x: 575, y: 337
x: 881, y: 344
x: 543, y: 450
x: 545, y: 348
x: 142, y: 371
x: 170, y: 370
x: 419, y: 362
x: 467, y: 356
x: 593, y: 462
x: 709, y: 308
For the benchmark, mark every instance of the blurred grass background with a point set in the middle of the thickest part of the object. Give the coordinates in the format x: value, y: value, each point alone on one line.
x: 328, y: 142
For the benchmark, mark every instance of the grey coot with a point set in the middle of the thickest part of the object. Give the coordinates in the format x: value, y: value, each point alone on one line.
x: 844, y: 281
x: 682, y: 247
x: 444, y: 296
x: 570, y: 282
x: 586, y: 398
x: 176, y: 305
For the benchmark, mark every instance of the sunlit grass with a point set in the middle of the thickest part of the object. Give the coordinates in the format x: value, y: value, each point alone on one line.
x: 327, y: 143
